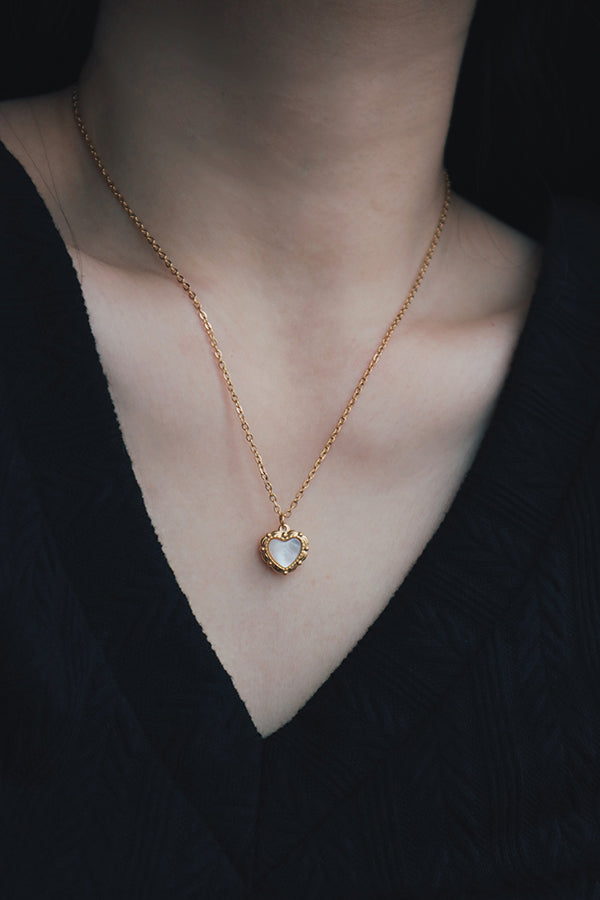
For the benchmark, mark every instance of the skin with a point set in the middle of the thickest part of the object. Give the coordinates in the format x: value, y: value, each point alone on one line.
x: 288, y: 156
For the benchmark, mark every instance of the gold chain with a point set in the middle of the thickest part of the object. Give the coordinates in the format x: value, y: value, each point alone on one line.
x: 282, y: 514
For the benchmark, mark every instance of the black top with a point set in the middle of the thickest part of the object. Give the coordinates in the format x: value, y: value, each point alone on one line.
x: 453, y: 754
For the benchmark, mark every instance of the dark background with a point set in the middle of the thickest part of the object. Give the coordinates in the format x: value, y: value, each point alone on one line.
x: 526, y: 111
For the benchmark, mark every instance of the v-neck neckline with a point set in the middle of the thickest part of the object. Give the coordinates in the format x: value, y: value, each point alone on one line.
x: 181, y: 694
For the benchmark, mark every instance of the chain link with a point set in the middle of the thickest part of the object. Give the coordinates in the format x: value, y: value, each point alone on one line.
x: 185, y: 285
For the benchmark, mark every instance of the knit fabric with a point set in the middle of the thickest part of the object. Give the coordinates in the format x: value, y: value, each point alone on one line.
x: 454, y: 753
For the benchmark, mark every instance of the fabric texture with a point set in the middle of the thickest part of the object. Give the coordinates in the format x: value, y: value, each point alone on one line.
x: 454, y: 754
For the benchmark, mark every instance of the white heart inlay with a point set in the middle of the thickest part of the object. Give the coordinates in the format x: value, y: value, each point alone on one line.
x: 285, y: 552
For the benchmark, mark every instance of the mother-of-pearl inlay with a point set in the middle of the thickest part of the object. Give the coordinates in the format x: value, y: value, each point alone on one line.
x: 284, y: 550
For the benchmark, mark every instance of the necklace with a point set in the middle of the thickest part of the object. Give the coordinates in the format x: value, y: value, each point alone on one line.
x: 284, y: 549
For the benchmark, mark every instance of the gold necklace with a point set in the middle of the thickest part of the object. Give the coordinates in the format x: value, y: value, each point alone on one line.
x: 283, y: 550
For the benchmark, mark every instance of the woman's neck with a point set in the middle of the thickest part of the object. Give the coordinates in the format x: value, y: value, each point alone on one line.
x: 299, y: 142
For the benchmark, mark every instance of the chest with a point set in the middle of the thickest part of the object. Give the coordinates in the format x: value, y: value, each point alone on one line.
x: 368, y: 513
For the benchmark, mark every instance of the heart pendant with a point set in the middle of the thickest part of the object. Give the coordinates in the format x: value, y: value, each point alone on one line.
x: 284, y: 550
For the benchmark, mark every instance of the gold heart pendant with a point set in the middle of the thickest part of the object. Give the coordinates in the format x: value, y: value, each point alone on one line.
x: 284, y: 550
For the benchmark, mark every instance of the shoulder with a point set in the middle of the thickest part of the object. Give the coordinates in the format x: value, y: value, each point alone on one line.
x: 36, y: 150
x: 568, y: 251
x: 36, y: 175
x: 500, y: 262
x: 509, y: 270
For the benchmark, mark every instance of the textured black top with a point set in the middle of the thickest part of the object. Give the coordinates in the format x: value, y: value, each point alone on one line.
x: 455, y: 753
